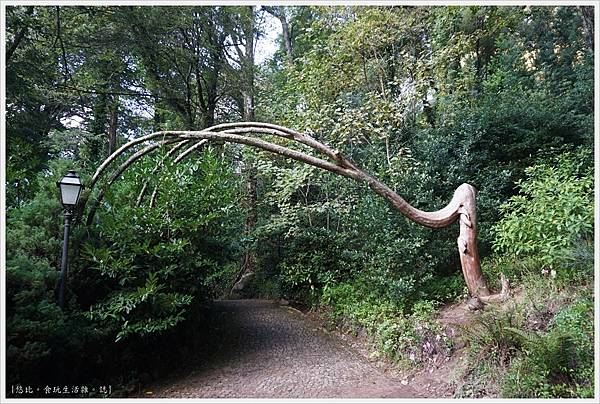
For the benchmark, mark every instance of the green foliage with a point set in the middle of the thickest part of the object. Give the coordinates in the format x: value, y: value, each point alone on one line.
x: 542, y: 347
x: 494, y: 335
x: 160, y: 259
x: 317, y: 260
x: 219, y: 281
x: 133, y: 275
x: 445, y: 288
x: 539, y: 344
x: 424, y: 98
x: 42, y: 342
x: 558, y: 363
x: 167, y: 307
x: 411, y: 338
x: 553, y: 211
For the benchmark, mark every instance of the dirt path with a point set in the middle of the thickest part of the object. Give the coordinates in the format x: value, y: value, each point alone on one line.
x: 263, y: 350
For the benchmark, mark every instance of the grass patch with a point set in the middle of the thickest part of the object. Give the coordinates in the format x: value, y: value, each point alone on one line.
x: 408, y: 337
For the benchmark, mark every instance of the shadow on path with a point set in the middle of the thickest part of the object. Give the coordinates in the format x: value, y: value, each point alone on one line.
x: 258, y: 349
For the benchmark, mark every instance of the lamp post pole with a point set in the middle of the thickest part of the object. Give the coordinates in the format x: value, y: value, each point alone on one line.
x: 70, y: 189
x: 64, y: 262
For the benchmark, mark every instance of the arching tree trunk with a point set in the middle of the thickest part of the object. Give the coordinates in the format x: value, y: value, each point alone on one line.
x: 462, y: 207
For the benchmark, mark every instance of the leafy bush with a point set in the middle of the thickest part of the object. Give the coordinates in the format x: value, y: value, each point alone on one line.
x: 539, y: 345
x: 316, y: 260
x: 132, y: 275
x: 159, y: 259
x: 492, y: 335
x: 43, y: 343
x: 553, y: 211
x: 445, y: 288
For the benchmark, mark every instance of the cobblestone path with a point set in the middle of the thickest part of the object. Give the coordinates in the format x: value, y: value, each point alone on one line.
x: 263, y: 350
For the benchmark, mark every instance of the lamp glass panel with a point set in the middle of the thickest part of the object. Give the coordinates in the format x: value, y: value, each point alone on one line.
x: 69, y: 193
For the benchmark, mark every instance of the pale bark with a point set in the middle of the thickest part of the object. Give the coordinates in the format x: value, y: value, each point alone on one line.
x: 190, y: 149
x: 279, y: 13
x: 155, y: 169
x: 587, y: 17
x: 287, y: 39
x: 119, y: 171
x: 462, y: 206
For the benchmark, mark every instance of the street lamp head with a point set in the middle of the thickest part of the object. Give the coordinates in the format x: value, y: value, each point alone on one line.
x: 70, y: 189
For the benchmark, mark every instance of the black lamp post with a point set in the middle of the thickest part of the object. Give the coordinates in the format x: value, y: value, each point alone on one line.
x: 70, y: 189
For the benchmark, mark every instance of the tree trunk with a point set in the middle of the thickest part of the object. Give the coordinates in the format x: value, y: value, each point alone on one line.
x: 467, y: 245
x: 279, y: 13
x: 249, y: 258
x: 113, y: 124
x: 287, y: 39
x: 461, y: 207
x: 158, y: 119
x: 587, y: 16
x: 248, y: 68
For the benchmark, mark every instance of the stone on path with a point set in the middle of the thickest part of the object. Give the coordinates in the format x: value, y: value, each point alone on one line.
x: 259, y: 349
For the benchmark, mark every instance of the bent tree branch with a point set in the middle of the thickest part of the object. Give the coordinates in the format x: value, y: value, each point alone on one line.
x: 461, y: 207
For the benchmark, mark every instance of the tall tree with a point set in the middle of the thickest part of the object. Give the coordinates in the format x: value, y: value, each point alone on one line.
x: 281, y: 13
x: 243, y: 35
x: 183, y: 55
x: 34, y: 107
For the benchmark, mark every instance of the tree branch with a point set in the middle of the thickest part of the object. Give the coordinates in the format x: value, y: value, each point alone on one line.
x: 461, y: 206
x: 67, y: 74
x: 118, y: 173
x: 18, y: 37
x: 100, y: 92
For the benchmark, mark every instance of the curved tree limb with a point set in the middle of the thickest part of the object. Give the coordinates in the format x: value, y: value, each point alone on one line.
x: 462, y: 205
x: 189, y: 150
x: 176, y: 161
x: 257, y: 127
x: 120, y: 171
x: 102, y: 167
x: 155, y: 169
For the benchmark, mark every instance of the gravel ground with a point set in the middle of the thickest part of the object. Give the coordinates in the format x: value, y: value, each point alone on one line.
x: 262, y: 350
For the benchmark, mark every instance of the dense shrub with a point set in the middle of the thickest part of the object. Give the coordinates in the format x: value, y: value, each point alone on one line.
x: 135, y: 275
x: 541, y: 347
x: 157, y: 259
x: 423, y: 98
x: 538, y: 347
x: 553, y: 212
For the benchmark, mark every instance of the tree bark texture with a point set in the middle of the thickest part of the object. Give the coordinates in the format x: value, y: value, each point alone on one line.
x: 587, y: 17
x: 248, y: 260
x: 287, y: 39
x: 461, y: 207
x: 247, y: 65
